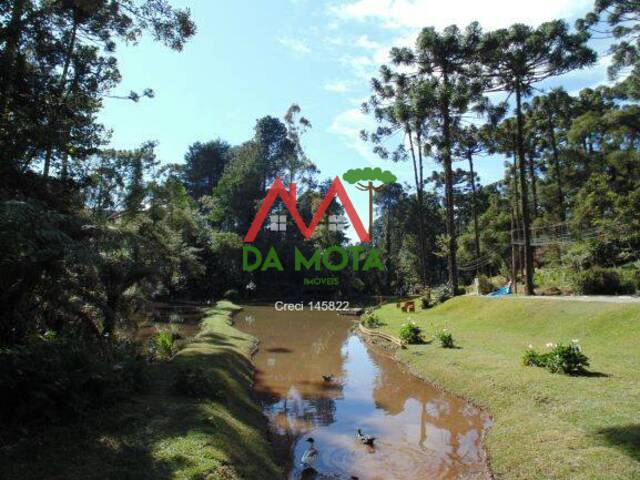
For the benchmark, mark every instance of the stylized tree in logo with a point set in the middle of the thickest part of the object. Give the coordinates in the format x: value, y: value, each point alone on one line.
x: 358, y: 175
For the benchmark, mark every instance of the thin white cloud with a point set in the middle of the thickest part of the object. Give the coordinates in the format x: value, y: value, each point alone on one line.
x: 348, y: 125
x: 366, y: 66
x: 409, y: 16
x: 296, y: 45
x: 365, y: 42
x: 490, y: 13
x: 363, y: 66
x: 337, y: 87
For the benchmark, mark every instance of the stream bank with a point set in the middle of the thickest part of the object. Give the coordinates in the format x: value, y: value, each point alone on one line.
x: 159, y: 434
x: 545, y: 425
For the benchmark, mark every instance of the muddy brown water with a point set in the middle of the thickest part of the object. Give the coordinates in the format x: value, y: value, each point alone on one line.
x: 422, y: 432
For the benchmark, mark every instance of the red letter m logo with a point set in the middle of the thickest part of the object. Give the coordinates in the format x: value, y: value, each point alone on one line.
x: 289, y: 200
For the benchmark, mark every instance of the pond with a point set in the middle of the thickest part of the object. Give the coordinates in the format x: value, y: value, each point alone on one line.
x: 421, y: 431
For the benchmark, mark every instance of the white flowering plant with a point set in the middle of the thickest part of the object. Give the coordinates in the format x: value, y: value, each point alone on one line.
x: 411, y: 333
x: 567, y: 358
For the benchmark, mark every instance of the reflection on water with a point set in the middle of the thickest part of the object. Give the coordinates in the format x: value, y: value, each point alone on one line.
x: 422, y: 432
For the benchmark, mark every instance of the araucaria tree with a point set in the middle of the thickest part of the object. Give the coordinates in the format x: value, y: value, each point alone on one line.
x: 398, y: 105
x: 358, y: 175
x: 549, y: 117
x: 445, y: 64
x: 619, y: 20
x: 515, y: 59
x: 468, y: 145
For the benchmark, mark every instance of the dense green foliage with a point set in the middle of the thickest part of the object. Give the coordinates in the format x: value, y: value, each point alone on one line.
x: 90, y: 233
x: 602, y: 281
x: 54, y: 379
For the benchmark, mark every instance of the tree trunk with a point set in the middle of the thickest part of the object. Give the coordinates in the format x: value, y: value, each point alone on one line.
x: 532, y: 177
x: 370, y: 189
x: 53, y: 124
x: 515, y: 222
x: 110, y: 314
x: 556, y: 164
x: 526, y: 227
x: 419, y: 196
x: 514, y: 256
x: 448, y: 179
x: 474, y: 209
x: 13, y: 33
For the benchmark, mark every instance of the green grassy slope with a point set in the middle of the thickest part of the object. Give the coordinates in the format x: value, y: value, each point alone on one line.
x: 546, y: 426
x: 159, y: 435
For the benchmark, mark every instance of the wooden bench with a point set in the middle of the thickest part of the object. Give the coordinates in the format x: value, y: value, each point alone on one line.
x: 401, y: 301
x: 409, y: 306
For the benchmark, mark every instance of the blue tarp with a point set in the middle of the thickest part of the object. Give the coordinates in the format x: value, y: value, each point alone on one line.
x: 501, y: 292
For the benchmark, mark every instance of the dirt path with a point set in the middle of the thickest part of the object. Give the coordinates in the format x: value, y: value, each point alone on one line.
x: 584, y: 298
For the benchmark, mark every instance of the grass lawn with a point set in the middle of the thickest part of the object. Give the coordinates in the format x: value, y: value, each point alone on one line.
x: 546, y: 426
x: 158, y: 435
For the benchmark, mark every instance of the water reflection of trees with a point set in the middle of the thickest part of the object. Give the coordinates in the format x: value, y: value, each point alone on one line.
x: 292, y: 359
x: 453, y: 421
x: 432, y: 431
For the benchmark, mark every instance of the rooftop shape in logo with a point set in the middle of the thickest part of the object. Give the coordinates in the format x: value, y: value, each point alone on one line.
x: 289, y: 199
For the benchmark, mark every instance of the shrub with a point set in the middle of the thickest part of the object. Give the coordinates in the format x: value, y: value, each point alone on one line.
x: 602, y: 281
x: 162, y: 345
x: 531, y: 358
x: 562, y: 358
x: 370, y: 318
x: 446, y: 339
x: 554, y: 280
x: 425, y: 299
x: 484, y: 285
x: 58, y: 379
x: 441, y: 294
x: 195, y: 383
x: 567, y: 359
x: 411, y: 333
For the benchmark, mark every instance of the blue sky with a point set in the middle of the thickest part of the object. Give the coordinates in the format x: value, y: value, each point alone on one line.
x: 255, y: 58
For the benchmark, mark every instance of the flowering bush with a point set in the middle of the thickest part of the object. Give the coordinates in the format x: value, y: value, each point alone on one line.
x: 531, y: 358
x: 561, y: 358
x: 411, y: 333
x: 446, y: 339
